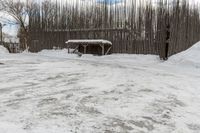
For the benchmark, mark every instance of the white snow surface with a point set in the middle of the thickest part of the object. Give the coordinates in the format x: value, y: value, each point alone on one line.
x: 188, y: 58
x: 90, y: 41
x: 3, y: 50
x: 55, y: 92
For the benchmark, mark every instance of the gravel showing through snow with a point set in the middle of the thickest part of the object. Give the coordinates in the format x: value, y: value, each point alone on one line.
x: 53, y: 92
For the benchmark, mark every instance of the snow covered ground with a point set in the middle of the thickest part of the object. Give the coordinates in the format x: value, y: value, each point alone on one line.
x: 3, y: 50
x: 56, y: 92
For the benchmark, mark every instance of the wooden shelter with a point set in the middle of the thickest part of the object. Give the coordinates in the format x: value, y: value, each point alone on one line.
x: 98, y: 47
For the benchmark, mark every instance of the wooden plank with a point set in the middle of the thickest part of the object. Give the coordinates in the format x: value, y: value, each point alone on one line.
x: 102, y: 47
x: 76, y: 48
x: 85, y: 48
x: 108, y: 50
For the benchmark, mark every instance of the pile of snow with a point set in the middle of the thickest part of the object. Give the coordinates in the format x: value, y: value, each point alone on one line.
x: 53, y: 51
x: 57, y: 53
x: 3, y: 50
x: 188, y: 58
x: 127, y: 59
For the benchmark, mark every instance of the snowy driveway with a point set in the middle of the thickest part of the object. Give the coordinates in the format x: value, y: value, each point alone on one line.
x: 50, y: 93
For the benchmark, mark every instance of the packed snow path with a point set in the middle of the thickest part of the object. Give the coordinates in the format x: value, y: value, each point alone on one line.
x: 50, y: 92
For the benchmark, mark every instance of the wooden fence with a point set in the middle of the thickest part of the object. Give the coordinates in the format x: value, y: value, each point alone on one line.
x: 124, y: 41
x: 135, y: 27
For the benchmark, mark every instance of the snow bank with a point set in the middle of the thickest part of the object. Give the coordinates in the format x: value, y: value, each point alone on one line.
x: 129, y: 59
x: 52, y: 51
x: 60, y: 53
x: 188, y: 58
x: 3, y: 50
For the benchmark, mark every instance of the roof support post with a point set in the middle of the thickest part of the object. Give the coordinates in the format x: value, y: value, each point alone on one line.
x: 85, y: 48
x: 68, y: 47
x: 75, y: 49
x: 103, y: 49
x: 108, y: 50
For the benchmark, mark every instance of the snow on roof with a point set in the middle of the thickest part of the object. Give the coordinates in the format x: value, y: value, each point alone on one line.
x: 90, y: 41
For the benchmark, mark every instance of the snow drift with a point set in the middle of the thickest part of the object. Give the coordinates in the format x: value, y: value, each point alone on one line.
x: 3, y: 50
x: 188, y: 58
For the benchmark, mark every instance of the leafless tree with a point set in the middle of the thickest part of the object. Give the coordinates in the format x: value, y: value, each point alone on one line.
x: 20, y: 12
